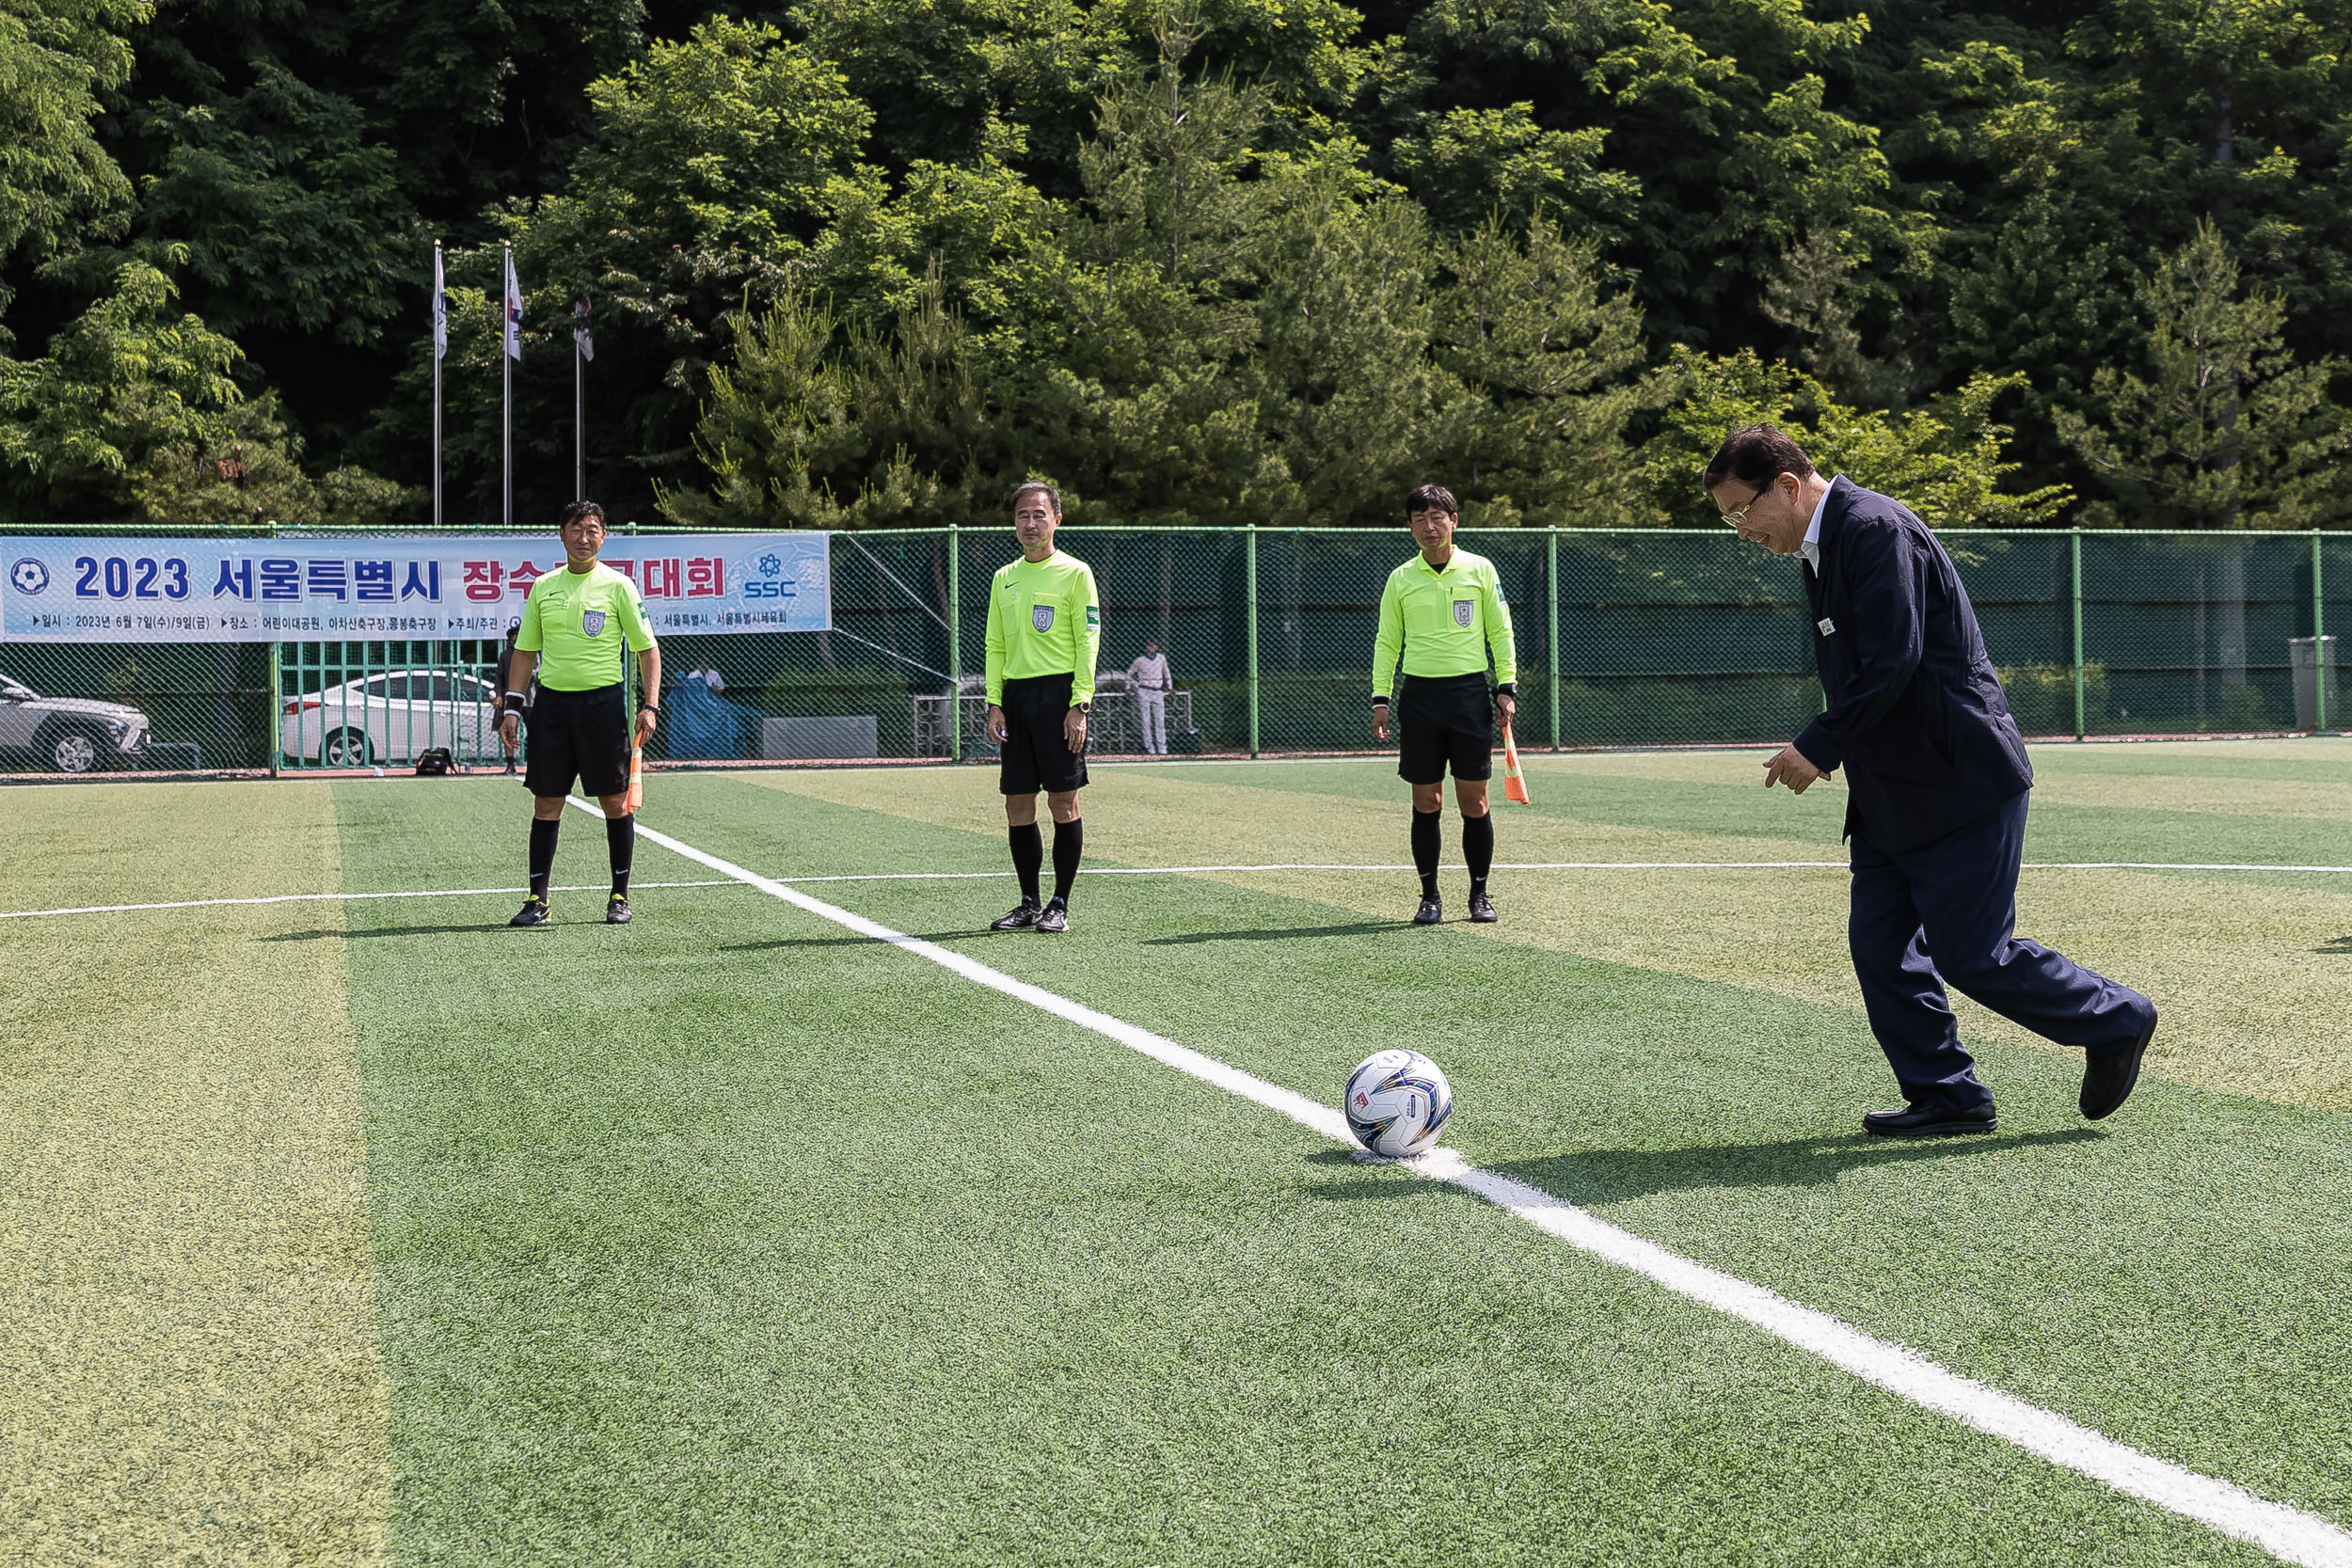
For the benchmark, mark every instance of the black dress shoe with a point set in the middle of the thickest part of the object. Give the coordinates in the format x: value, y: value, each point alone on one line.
x: 1929, y: 1121
x: 2109, y: 1076
x: 1430, y: 912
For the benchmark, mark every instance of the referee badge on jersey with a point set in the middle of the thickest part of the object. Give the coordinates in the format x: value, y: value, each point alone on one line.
x: 1465, y: 610
x: 592, y: 623
x: 1042, y: 617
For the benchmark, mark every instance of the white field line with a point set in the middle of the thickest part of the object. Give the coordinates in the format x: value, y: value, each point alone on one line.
x: 2287, y: 1533
x: 1165, y: 871
x: 325, y: 898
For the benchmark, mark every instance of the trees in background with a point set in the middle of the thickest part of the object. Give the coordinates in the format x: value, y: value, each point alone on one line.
x: 861, y: 260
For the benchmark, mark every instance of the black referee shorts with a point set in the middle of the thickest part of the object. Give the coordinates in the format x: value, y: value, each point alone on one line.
x: 1445, y: 721
x: 1036, y: 757
x: 582, y: 734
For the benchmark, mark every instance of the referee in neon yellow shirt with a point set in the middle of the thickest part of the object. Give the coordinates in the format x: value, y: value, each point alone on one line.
x: 572, y: 630
x: 1044, y: 631
x: 1442, y: 611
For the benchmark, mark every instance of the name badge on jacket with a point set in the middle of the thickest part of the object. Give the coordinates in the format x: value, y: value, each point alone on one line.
x: 1825, y: 625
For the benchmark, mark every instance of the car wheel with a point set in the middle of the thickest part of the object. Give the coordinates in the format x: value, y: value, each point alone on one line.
x: 74, y: 750
x: 346, y: 748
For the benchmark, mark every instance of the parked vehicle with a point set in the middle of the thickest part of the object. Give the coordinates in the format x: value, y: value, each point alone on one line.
x: 68, y: 735
x: 392, y: 716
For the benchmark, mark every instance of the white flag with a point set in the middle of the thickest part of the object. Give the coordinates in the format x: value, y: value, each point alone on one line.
x: 440, y: 309
x: 579, y: 330
x: 514, y: 310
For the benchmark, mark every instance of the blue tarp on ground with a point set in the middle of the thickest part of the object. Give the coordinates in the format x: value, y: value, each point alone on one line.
x: 705, y: 727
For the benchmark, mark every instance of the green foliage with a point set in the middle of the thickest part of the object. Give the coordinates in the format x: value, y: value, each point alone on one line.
x: 2227, y: 430
x: 1945, y: 461
x: 58, y: 185
x: 134, y: 415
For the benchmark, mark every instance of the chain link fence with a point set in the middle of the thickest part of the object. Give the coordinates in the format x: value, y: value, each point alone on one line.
x: 1626, y: 637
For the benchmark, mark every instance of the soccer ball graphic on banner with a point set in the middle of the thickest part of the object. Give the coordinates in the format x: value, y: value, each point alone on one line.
x: 1397, y: 1103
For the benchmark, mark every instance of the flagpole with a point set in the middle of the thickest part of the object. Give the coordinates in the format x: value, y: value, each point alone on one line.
x: 439, y: 317
x: 580, y: 424
x: 506, y: 364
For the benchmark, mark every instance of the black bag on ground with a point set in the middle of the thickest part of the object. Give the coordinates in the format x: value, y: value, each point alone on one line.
x: 433, y: 762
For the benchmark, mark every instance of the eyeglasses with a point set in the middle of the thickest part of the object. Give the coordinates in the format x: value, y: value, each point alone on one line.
x: 1739, y: 520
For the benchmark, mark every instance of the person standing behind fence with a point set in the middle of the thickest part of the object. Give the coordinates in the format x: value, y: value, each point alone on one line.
x: 571, y: 635
x: 1153, y: 683
x: 1442, y: 611
x: 1936, y: 784
x: 1044, y: 633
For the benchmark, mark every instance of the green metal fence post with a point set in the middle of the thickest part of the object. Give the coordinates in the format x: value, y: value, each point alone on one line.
x: 2319, y: 640
x: 954, y: 642
x: 2080, y: 728
x: 277, y: 713
x: 1252, y: 594
x: 1552, y: 586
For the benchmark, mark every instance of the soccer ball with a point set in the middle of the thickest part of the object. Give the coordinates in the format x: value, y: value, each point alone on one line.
x: 1397, y: 1103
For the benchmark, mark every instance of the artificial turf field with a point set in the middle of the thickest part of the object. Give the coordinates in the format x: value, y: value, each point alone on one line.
x: 368, y: 1230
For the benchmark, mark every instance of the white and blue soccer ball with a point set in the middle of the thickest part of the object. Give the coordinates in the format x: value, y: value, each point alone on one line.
x: 1397, y: 1103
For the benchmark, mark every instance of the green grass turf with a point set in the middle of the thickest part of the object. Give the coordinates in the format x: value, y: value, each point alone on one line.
x: 767, y: 1243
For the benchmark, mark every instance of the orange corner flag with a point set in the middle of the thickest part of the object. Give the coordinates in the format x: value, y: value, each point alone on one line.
x: 636, y: 776
x: 1514, y: 781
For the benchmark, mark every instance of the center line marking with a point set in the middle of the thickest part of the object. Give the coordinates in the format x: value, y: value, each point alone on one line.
x: 2287, y: 1533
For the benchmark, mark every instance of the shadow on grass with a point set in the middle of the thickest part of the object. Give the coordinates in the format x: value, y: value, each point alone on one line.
x: 1611, y: 1175
x: 403, y: 931
x: 1281, y: 933
x: 2335, y: 945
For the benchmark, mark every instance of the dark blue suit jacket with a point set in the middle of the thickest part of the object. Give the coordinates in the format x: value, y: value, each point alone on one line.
x: 1916, y: 716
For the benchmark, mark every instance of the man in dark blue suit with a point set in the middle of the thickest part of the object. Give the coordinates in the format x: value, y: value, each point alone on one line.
x: 1936, y: 785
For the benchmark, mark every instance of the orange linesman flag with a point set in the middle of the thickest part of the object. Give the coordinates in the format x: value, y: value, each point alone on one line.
x: 636, y: 776
x: 1514, y: 781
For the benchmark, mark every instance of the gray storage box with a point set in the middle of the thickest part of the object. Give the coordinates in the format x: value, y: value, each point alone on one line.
x: 2308, y: 674
x: 801, y: 739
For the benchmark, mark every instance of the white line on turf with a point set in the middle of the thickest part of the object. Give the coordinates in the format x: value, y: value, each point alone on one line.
x: 2287, y: 1533
x: 326, y: 897
x: 1166, y: 871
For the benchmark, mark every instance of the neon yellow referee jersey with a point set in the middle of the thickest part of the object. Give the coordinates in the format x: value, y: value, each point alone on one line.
x: 1043, y: 619
x: 1443, y: 622
x: 575, y: 621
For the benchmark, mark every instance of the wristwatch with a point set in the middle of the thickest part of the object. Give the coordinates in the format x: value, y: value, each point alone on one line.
x: 1082, y: 707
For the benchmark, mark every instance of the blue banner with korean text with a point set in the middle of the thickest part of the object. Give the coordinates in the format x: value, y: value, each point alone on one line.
x: 121, y: 589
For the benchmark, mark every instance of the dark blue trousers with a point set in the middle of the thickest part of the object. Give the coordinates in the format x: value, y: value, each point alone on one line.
x: 1945, y: 912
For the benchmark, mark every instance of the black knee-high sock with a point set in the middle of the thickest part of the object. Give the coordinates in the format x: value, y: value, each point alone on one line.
x: 1028, y: 853
x: 542, y: 853
x: 1425, y: 850
x: 1478, y: 847
x: 1070, y: 842
x: 620, y: 842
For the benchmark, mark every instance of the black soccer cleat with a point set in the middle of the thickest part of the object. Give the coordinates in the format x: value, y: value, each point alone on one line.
x: 1024, y: 916
x: 1482, y: 909
x: 1430, y: 912
x: 616, y: 910
x: 534, y: 913
x: 1056, y: 917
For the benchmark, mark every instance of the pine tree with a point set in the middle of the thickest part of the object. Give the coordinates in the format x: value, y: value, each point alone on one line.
x: 2227, y: 430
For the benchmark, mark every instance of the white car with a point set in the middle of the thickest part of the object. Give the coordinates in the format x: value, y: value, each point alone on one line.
x: 394, y: 717
x: 68, y: 735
